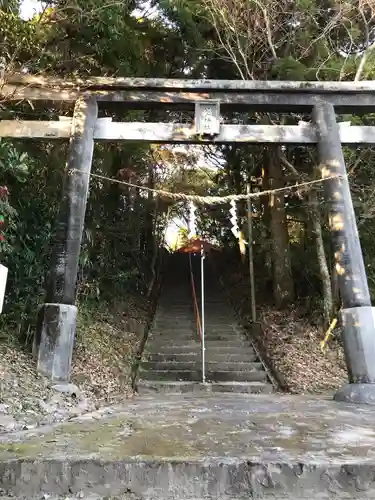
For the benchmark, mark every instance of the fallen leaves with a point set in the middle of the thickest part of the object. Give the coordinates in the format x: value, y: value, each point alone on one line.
x: 292, y: 343
x: 106, y: 345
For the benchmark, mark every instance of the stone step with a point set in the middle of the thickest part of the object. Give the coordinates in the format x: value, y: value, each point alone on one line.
x: 234, y: 341
x: 187, y: 337
x: 185, y: 321
x: 196, y: 365
x: 222, y: 345
x: 250, y: 375
x: 185, y: 332
x: 175, y: 303
x: 182, y: 302
x: 219, y: 310
x: 168, y: 345
x: 219, y: 314
x: 175, y: 307
x: 199, y: 446
x: 217, y: 357
x: 190, y: 324
x: 171, y: 311
x: 189, y: 321
x: 191, y: 349
x: 162, y: 340
x: 195, y: 349
x: 227, y: 334
x: 175, y: 319
x: 147, y: 386
x: 225, y: 326
x: 178, y: 295
x: 222, y: 307
x: 182, y: 330
x: 211, y: 304
x: 181, y: 326
x: 211, y: 344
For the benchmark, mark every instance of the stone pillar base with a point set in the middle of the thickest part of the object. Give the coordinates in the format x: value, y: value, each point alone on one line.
x: 57, y: 333
x: 359, y: 345
x: 360, y: 394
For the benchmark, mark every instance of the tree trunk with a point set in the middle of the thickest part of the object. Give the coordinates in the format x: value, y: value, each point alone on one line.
x: 137, y: 221
x: 155, y: 250
x: 322, y: 260
x: 283, y: 286
x: 265, y: 231
x: 150, y: 216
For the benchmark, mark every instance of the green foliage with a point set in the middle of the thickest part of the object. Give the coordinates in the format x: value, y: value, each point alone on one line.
x: 13, y: 162
x: 195, y: 38
x: 87, y: 40
x: 13, y: 168
x: 10, y: 6
x: 289, y: 69
x: 17, y: 40
x: 34, y: 200
x: 305, y: 5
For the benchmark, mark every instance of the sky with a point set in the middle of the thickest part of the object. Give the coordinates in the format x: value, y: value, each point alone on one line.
x: 29, y: 7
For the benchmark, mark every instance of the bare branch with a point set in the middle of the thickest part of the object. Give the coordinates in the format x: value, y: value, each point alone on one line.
x: 367, y: 49
x: 288, y: 165
x: 269, y: 33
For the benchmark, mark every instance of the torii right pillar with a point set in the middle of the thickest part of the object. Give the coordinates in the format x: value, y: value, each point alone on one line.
x: 358, y: 317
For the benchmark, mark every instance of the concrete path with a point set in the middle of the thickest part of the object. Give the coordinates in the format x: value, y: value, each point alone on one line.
x: 204, y: 447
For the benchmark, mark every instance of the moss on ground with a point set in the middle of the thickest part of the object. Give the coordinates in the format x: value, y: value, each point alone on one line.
x: 113, y: 439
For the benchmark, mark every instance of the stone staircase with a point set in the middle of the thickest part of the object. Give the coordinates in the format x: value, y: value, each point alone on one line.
x: 172, y: 359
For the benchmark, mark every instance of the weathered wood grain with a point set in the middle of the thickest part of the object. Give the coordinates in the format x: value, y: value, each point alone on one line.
x: 106, y: 130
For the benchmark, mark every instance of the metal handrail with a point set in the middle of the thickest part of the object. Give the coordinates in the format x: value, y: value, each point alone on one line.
x: 195, y: 301
x: 200, y: 322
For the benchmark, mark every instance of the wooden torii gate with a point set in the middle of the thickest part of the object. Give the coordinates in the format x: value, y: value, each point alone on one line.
x: 56, y: 325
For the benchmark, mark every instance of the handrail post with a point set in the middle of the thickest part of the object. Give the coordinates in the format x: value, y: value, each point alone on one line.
x: 195, y: 303
x: 202, y: 318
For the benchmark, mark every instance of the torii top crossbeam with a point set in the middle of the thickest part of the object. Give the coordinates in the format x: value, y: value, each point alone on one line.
x: 145, y: 93
x: 207, y: 97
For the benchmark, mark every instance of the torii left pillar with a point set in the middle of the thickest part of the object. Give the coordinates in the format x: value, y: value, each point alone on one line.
x: 56, y: 327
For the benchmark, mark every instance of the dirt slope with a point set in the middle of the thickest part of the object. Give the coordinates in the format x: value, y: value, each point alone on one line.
x: 106, y: 346
x: 291, y: 341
